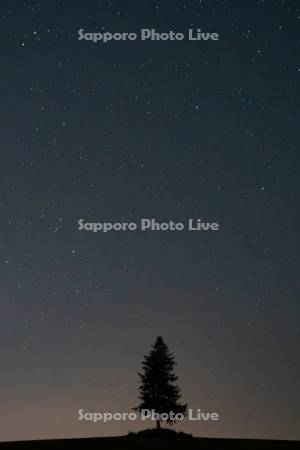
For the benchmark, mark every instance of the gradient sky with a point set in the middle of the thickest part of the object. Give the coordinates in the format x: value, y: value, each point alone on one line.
x: 170, y: 130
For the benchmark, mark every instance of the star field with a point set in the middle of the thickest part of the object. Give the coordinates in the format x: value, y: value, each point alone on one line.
x: 171, y: 130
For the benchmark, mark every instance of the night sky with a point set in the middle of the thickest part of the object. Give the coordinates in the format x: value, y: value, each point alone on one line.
x: 171, y: 130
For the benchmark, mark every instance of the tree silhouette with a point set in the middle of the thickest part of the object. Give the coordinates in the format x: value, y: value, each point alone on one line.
x: 157, y: 390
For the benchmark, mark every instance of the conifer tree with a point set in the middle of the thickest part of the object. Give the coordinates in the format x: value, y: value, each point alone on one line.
x: 158, y: 390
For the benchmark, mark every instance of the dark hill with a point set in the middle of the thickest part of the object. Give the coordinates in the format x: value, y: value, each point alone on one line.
x: 151, y: 440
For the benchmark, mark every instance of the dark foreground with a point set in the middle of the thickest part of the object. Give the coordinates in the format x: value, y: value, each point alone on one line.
x: 160, y: 443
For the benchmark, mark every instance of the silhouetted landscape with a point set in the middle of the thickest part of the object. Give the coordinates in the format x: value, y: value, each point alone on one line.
x: 144, y: 441
x: 149, y: 267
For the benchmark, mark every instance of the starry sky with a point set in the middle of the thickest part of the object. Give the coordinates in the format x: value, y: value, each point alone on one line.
x: 166, y: 130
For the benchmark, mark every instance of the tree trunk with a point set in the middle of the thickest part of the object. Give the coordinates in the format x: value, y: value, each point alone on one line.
x: 158, y: 424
